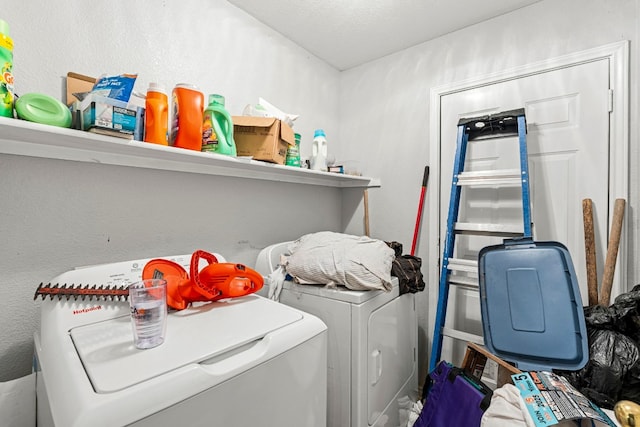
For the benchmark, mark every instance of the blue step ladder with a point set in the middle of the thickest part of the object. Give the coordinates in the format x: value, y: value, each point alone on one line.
x: 500, y: 125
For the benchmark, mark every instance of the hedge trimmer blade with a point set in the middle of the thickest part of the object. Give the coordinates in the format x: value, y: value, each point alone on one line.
x: 81, y: 291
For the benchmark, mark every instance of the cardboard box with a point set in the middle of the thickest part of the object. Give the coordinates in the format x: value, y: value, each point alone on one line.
x: 475, y: 360
x: 78, y: 83
x: 264, y: 138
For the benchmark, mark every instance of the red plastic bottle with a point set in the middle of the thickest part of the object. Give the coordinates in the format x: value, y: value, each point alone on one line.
x: 188, y: 107
x: 156, y: 121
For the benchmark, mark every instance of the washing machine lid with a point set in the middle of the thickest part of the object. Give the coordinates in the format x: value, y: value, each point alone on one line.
x: 196, y: 334
x: 342, y: 293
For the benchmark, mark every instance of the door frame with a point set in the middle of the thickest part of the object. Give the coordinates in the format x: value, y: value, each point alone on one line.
x: 618, y: 56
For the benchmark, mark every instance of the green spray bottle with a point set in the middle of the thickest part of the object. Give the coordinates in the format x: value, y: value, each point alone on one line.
x: 6, y: 71
x: 217, y: 128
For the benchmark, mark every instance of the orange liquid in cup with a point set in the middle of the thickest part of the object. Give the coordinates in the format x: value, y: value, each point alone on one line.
x: 188, y: 107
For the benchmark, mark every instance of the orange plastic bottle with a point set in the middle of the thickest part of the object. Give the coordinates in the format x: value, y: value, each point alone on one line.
x: 188, y: 107
x: 156, y: 122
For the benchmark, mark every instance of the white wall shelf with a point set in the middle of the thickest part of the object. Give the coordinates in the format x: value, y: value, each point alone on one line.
x: 23, y: 138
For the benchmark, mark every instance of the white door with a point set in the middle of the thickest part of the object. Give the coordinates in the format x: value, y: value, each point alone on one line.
x: 567, y: 113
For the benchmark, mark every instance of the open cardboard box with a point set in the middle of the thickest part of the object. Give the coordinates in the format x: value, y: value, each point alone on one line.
x: 263, y: 138
x: 78, y: 83
x: 475, y: 360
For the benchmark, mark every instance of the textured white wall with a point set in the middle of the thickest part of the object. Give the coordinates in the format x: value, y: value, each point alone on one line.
x: 55, y: 215
x: 386, y: 107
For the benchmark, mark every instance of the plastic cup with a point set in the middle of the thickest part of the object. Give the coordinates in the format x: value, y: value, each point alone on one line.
x: 148, y: 301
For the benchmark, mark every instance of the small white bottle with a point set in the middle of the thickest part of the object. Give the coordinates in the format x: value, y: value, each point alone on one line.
x: 319, y: 151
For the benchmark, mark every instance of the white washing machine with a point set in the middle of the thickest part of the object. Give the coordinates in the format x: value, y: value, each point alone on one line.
x: 372, y: 347
x: 239, y: 362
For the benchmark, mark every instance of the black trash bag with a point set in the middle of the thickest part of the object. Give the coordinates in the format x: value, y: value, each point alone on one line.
x: 613, y: 370
x: 623, y: 315
x: 631, y: 388
x: 612, y: 358
x: 597, y: 316
x: 626, y: 317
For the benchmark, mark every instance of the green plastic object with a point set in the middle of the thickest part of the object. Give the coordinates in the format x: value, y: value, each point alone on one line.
x: 40, y: 108
x: 217, y: 135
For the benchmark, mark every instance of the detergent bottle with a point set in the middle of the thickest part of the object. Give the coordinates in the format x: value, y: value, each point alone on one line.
x: 6, y: 71
x: 293, y: 153
x: 186, y: 126
x: 319, y: 151
x: 156, y: 115
x: 217, y: 128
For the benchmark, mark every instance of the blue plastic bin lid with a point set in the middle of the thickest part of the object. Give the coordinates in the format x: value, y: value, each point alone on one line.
x: 531, y: 307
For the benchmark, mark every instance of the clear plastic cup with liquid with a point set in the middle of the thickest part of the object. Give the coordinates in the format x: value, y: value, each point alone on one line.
x: 148, y: 302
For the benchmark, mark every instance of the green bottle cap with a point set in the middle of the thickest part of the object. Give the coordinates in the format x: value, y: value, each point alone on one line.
x: 216, y: 99
x: 4, y: 27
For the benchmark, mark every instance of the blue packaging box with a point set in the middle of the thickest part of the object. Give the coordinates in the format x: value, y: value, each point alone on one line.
x: 110, y: 116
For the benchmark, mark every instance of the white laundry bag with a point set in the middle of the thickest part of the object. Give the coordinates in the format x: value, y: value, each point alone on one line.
x: 328, y: 258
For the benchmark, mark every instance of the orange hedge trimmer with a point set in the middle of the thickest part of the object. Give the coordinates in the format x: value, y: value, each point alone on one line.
x: 214, y: 282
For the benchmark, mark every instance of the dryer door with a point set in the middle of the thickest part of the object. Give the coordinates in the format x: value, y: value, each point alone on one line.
x: 392, y: 337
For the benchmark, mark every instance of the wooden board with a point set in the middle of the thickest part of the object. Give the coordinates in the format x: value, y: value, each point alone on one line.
x: 475, y: 360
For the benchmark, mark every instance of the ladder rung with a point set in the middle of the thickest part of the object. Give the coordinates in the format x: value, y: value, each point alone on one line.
x: 491, y: 177
x: 466, y: 282
x: 458, y: 264
x: 461, y: 335
x: 498, y: 230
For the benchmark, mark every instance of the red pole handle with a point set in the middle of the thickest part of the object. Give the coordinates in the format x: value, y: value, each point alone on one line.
x: 425, y: 180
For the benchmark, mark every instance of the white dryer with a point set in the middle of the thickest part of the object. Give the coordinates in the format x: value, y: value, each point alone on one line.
x: 372, y: 347
x: 239, y: 362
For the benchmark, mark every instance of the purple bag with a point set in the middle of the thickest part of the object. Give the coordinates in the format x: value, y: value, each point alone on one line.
x: 453, y: 399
